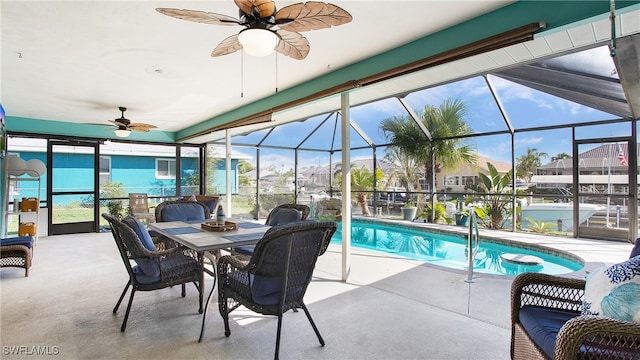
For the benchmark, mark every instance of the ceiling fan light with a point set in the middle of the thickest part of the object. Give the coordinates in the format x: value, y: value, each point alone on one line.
x: 258, y: 42
x: 122, y: 132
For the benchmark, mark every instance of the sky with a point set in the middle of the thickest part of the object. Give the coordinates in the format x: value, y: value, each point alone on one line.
x: 524, y: 107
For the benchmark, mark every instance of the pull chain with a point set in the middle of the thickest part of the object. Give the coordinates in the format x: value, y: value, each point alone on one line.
x: 241, y: 74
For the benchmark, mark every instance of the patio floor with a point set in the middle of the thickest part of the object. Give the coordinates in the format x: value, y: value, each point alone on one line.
x: 390, y: 308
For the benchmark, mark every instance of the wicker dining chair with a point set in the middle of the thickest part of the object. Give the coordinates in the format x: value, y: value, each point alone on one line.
x: 276, y: 277
x: 182, y: 210
x: 303, y: 209
x: 154, y: 269
x: 280, y: 215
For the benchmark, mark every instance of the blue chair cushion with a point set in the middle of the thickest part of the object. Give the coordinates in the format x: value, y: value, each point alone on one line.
x: 283, y: 216
x: 543, y: 324
x: 246, y: 250
x: 147, y: 271
x: 19, y: 240
x: 140, y: 230
x: 265, y: 290
x: 636, y: 249
x: 211, y: 204
x: 143, y: 278
x: 183, y: 212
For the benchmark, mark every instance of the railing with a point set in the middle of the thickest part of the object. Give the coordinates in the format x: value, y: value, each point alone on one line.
x: 471, y: 249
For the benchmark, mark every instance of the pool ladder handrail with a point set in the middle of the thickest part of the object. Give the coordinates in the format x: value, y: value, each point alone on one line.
x: 471, y: 237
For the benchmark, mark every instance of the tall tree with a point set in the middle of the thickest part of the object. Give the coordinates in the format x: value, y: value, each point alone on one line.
x: 361, y: 182
x: 447, y: 125
x: 528, y: 163
x: 406, y: 171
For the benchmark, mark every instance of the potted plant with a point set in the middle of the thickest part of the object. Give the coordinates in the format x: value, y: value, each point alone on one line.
x: 462, y: 218
x: 409, y: 211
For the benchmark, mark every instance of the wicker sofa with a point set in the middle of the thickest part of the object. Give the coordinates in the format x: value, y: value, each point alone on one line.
x: 578, y: 336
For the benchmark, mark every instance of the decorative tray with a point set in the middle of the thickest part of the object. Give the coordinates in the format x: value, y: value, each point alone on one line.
x: 212, y: 226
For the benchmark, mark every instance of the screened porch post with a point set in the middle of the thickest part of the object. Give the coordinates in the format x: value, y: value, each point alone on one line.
x: 228, y: 172
x: 346, y: 187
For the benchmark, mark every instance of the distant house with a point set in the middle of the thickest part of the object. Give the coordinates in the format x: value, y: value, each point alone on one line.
x: 456, y: 180
x: 149, y: 169
x: 598, y: 167
x: 318, y: 177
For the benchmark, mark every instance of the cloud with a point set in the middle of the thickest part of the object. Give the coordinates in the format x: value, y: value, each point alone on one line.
x: 527, y: 142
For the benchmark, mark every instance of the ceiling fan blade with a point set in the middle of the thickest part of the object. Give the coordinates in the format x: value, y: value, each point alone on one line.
x: 293, y: 44
x: 227, y: 46
x: 312, y: 15
x: 199, y: 16
x: 141, y: 129
x: 119, y: 122
x: 258, y: 8
x: 138, y: 126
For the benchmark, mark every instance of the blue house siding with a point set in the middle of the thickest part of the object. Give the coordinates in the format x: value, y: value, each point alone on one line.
x: 137, y: 173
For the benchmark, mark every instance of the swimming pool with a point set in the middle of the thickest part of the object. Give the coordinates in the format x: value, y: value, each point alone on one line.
x: 449, y: 249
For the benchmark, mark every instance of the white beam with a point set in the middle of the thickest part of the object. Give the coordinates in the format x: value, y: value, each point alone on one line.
x: 228, y: 172
x: 346, y: 187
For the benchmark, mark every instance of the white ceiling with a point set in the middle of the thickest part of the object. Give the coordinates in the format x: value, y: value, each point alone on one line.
x: 77, y: 61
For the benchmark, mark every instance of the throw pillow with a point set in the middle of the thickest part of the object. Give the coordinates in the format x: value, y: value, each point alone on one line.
x: 140, y: 230
x: 614, y: 291
x: 148, y: 270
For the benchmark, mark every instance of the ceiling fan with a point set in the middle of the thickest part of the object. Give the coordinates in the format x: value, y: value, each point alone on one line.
x: 266, y: 28
x: 125, y: 126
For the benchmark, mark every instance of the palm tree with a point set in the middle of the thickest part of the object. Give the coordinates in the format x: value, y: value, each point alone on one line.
x: 406, y: 171
x: 447, y: 126
x: 361, y: 182
x: 528, y: 163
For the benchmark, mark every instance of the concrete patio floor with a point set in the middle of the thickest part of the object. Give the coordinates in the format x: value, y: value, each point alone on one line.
x: 390, y: 308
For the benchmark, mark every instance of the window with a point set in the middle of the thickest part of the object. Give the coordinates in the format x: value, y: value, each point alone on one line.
x: 451, y: 180
x: 165, y: 168
x: 105, y: 169
x: 468, y: 180
x: 105, y: 165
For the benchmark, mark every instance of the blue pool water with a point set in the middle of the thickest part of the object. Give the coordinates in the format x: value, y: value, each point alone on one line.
x: 449, y: 250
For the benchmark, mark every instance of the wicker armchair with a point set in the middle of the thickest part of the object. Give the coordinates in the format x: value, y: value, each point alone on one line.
x: 584, y: 337
x: 283, y: 259
x: 176, y: 266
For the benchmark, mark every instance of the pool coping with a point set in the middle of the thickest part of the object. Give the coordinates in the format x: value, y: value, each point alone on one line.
x: 592, y: 253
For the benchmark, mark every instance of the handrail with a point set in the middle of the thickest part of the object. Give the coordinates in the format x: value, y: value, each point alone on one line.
x: 471, y: 236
